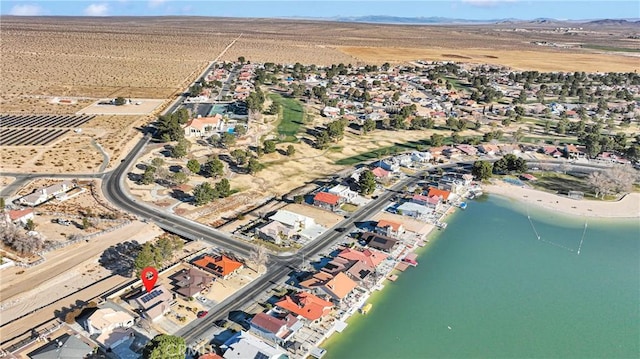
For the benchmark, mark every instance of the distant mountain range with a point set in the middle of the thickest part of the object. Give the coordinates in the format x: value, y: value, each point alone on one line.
x: 435, y: 20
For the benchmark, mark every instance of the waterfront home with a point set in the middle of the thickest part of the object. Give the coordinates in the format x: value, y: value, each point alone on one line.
x: 378, y: 241
x: 442, y: 194
x: 326, y: 200
x: 190, y: 282
x: 317, y: 280
x: 220, y: 265
x: 415, y: 210
x: 420, y: 199
x: 369, y: 256
x: 42, y: 195
x: 389, y: 228
x: 203, y: 126
x: 155, y: 304
x: 63, y: 347
x: 339, y: 287
x: 272, y: 329
x: 306, y: 305
x: 245, y: 345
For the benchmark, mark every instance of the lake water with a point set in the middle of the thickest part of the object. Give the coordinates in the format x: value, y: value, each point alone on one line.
x: 505, y: 294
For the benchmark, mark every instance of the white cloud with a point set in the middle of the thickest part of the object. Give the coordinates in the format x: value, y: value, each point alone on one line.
x: 25, y: 10
x: 96, y: 10
x: 486, y: 3
x: 156, y: 3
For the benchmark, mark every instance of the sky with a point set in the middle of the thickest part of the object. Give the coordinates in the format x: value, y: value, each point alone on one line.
x: 459, y: 9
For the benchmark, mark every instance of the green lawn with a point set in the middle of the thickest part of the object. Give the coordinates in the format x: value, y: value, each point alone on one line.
x: 383, y: 152
x: 291, y: 117
x: 559, y: 182
x: 348, y: 207
x: 609, y: 48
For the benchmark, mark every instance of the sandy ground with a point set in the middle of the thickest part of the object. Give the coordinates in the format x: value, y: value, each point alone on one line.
x: 322, y: 217
x: 146, y: 106
x: 627, y: 207
x: 542, y: 60
x: 64, y: 271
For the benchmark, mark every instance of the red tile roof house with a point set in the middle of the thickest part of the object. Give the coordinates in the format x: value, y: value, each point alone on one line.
x: 442, y: 194
x: 571, y: 151
x: 274, y: 330
x: 380, y: 173
x: 389, y: 228
x: 327, y: 200
x: 306, y: 305
x: 203, y: 126
x: 221, y: 266
x: 20, y: 215
x: 339, y: 287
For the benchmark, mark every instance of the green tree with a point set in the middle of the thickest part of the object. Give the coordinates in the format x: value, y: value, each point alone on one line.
x: 195, y: 90
x: 30, y: 225
x: 239, y: 156
x: 241, y: 59
x: 436, y: 140
x: 157, y: 162
x: 240, y: 130
x: 203, y: 194
x: 298, y: 199
x: 254, y: 166
x: 482, y: 170
x: 119, y: 101
x: 322, y: 140
x: 367, y: 182
x: 2, y: 204
x: 291, y: 150
x: 500, y: 166
x: 269, y: 146
x: 213, y: 168
x: 180, y: 178
x: 193, y: 166
x: 180, y: 149
x: 223, y: 188
x: 227, y: 139
x: 368, y: 125
x: 165, y: 346
x: 144, y: 258
x: 148, y: 176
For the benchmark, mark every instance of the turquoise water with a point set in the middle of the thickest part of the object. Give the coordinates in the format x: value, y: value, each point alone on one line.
x: 506, y: 294
x: 218, y: 109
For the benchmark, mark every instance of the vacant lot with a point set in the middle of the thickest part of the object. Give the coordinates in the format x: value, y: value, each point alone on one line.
x: 541, y: 60
x: 137, y: 107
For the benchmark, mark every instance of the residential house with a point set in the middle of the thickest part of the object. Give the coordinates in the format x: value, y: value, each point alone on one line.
x: 420, y: 199
x: 378, y: 241
x: 442, y: 194
x: 42, y: 195
x: 305, y: 305
x: 327, y: 200
x: 389, y: 228
x: 412, y: 209
x: 510, y: 149
x: 380, y: 173
x: 63, y: 347
x: 203, y: 126
x: 289, y: 225
x: 339, y: 286
x: 371, y: 257
x: 274, y: 330
x: 390, y: 165
x: 573, y: 152
x: 154, y: 304
x: 552, y: 151
x: 244, y: 345
x: 331, y: 112
x: 467, y: 149
x: 19, y: 216
x: 220, y: 265
x: 190, y: 282
x: 106, y: 320
x: 344, y: 192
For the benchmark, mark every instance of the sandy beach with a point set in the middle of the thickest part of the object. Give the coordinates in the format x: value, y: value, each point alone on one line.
x: 627, y: 207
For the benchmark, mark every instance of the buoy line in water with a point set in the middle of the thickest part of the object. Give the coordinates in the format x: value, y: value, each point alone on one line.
x: 538, y: 237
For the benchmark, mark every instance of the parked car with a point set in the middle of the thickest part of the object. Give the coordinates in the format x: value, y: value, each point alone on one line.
x: 202, y: 313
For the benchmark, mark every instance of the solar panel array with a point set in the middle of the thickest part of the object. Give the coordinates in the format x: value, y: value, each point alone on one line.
x: 147, y: 297
x: 68, y: 121
x: 37, y: 130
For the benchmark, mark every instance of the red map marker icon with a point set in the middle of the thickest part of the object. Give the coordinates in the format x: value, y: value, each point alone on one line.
x: 149, y: 276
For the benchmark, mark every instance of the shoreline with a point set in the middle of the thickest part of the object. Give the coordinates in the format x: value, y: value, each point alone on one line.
x: 626, y: 208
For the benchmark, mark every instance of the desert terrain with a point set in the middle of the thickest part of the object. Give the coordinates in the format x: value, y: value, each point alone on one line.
x: 87, y: 59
